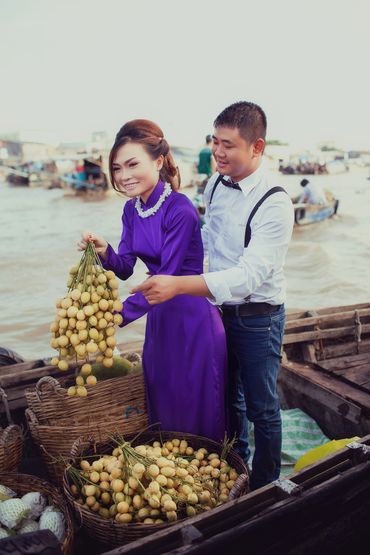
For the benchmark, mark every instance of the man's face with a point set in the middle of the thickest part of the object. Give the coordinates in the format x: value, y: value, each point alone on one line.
x: 234, y: 156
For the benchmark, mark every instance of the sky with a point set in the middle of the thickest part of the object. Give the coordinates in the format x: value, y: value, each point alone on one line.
x: 71, y: 67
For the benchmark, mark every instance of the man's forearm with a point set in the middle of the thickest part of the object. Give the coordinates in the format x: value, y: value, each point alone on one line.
x: 193, y: 285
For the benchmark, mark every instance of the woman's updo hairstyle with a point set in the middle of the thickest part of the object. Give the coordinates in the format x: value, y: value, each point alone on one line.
x: 150, y: 135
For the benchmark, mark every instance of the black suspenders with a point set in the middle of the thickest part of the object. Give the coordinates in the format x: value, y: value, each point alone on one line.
x: 218, y: 180
x: 248, y: 231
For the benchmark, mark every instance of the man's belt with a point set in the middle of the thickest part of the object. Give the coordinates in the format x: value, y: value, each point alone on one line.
x: 248, y: 309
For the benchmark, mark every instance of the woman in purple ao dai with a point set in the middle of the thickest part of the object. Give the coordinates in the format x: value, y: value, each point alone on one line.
x: 184, y: 355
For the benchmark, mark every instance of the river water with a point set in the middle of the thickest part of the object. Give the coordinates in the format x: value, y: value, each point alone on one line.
x: 328, y: 263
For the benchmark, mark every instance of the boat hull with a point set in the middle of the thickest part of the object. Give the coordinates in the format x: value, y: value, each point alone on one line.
x: 305, y: 214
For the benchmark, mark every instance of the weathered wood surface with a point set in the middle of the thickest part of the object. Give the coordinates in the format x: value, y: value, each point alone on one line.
x: 347, y: 316
x: 273, y: 521
x: 340, y: 408
x: 330, y: 333
x: 329, y: 310
x: 347, y: 348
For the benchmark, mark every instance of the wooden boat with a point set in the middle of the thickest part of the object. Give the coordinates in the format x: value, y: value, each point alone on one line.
x: 26, y: 175
x: 321, y: 509
x: 305, y: 214
x: 18, y: 177
x: 326, y: 368
x: 93, y: 186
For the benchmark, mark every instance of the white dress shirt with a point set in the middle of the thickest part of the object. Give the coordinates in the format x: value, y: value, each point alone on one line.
x: 255, y: 273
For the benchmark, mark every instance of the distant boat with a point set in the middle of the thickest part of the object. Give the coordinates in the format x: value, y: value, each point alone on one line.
x: 305, y: 214
x: 27, y: 175
x: 18, y: 177
x: 93, y: 185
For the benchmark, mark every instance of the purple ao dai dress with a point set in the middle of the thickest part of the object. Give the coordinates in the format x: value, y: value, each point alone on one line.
x: 184, y: 355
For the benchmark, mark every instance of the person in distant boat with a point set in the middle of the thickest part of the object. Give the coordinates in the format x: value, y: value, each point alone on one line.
x: 206, y: 162
x: 312, y: 193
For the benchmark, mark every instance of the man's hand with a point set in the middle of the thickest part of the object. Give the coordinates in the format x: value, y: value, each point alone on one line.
x: 158, y: 289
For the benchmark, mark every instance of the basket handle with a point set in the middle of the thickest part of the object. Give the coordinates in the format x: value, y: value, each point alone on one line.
x: 31, y: 417
x: 49, y: 382
x: 12, y: 432
x: 240, y: 487
x: 4, y: 399
x: 32, y: 424
x: 81, y: 443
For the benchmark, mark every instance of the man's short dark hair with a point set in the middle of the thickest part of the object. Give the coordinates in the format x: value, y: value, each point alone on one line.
x: 304, y: 182
x: 247, y: 117
x: 208, y: 139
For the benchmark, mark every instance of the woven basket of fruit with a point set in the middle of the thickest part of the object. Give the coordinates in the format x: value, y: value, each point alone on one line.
x: 29, y: 504
x: 130, y: 487
x: 120, y: 389
x: 55, y: 442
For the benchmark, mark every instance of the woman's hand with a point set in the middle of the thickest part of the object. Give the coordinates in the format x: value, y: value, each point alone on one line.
x: 100, y: 244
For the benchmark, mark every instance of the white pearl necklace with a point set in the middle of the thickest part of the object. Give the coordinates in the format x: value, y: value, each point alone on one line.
x: 146, y: 213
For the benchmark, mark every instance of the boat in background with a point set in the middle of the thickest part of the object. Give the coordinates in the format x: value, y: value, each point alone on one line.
x: 88, y: 180
x: 312, y: 213
x: 32, y: 174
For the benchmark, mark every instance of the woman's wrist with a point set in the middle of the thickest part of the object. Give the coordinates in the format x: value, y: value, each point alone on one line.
x: 103, y: 252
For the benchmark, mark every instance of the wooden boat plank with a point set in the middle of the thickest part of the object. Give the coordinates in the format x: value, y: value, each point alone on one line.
x: 21, y: 367
x: 358, y: 376
x: 336, y: 416
x: 323, y: 334
x: 326, y: 319
x: 27, y: 379
x: 324, y: 311
x: 331, y: 386
x: 345, y: 362
x: 347, y: 348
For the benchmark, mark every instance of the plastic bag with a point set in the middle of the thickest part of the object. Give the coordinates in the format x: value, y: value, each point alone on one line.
x: 317, y: 453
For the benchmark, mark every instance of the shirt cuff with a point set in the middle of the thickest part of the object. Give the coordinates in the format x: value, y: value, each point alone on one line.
x: 218, y: 287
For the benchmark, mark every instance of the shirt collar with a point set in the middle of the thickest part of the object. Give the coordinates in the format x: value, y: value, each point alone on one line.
x: 154, y: 196
x: 249, y: 182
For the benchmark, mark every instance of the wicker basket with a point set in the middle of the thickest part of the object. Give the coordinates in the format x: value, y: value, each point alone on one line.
x: 11, y: 446
x: 11, y: 440
x: 55, y: 442
x: 108, y: 399
x: 23, y: 483
x: 116, y: 534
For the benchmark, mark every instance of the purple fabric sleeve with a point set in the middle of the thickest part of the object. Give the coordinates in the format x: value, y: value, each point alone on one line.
x: 180, y: 222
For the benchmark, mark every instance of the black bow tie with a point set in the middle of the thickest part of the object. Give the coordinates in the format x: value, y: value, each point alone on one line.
x: 230, y: 184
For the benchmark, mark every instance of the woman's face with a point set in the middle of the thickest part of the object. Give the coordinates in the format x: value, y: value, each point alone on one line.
x: 135, y: 172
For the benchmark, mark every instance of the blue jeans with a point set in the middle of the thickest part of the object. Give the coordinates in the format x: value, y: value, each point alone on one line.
x: 254, y: 351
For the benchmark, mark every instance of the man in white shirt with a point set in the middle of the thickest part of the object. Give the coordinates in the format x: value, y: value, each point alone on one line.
x: 248, y: 227
x: 312, y: 193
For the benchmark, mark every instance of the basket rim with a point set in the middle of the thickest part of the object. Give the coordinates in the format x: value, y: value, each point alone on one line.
x: 87, y: 515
